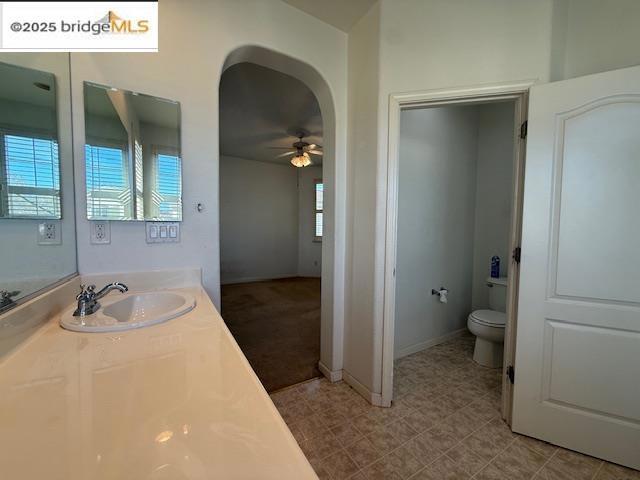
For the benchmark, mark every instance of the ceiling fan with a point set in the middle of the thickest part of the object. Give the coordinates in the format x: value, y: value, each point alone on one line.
x: 300, y: 150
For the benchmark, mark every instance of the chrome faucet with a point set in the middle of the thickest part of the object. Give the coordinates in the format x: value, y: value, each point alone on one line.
x: 88, y: 298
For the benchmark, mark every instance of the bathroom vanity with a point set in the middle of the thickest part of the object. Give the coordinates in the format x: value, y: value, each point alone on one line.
x: 175, y: 400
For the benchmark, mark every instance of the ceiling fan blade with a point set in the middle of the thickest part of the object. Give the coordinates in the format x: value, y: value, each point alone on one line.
x: 285, y: 154
x: 279, y: 148
x: 315, y: 152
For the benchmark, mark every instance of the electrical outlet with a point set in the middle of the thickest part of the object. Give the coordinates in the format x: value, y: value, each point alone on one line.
x: 49, y: 233
x: 100, y: 232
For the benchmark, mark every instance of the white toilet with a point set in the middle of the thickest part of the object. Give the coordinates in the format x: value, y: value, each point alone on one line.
x: 488, y: 325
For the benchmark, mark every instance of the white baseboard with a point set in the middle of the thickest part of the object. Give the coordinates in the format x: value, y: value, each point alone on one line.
x: 257, y: 279
x: 418, y: 347
x: 332, y: 375
x: 374, y: 399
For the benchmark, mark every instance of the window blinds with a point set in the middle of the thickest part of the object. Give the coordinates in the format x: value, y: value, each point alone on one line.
x: 108, y: 186
x: 319, y: 192
x: 32, y: 173
x: 139, y: 180
x: 168, y: 191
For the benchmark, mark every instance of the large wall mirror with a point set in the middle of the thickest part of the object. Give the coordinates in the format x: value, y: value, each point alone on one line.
x: 37, y: 221
x: 132, y: 155
x: 29, y: 157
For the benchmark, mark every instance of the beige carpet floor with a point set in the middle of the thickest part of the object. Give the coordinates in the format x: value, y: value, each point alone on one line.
x: 277, y: 325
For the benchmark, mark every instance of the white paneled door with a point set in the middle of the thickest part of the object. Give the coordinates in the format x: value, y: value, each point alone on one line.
x: 577, y: 370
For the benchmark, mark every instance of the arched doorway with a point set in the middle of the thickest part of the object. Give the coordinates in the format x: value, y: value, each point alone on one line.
x: 331, y: 323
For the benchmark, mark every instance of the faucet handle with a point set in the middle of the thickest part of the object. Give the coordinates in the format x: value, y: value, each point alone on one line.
x: 85, y: 291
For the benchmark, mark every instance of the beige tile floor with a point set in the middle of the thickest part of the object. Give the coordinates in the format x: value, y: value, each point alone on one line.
x: 444, y: 424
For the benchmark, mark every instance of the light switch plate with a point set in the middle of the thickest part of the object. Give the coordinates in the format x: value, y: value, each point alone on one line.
x: 163, y: 232
x: 49, y: 233
x: 100, y: 232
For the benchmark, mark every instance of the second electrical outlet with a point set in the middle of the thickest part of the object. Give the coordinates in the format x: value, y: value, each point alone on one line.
x: 100, y: 232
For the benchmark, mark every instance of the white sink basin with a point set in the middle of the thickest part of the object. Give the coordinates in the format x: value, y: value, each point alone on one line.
x: 134, y: 310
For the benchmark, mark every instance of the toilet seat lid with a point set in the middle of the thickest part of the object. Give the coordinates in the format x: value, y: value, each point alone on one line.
x: 490, y: 317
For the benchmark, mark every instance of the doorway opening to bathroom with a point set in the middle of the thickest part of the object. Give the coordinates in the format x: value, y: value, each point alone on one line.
x: 454, y: 199
x: 271, y: 221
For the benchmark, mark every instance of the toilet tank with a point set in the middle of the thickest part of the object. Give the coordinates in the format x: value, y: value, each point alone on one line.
x: 497, y: 293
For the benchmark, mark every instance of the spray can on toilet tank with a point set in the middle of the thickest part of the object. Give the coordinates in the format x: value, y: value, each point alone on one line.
x: 495, y: 266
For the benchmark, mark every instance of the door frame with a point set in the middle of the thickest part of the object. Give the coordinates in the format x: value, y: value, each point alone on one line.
x: 519, y: 93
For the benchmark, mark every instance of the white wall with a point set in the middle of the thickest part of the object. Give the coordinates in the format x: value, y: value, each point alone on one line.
x: 267, y: 221
x: 20, y: 115
x: 362, y: 335
x: 105, y: 128
x: 436, y: 210
x: 494, y: 192
x: 195, y: 41
x: 309, y: 250
x: 600, y: 35
x: 21, y: 258
x: 258, y: 220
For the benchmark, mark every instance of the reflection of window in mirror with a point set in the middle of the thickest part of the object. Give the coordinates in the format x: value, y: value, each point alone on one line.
x: 166, y: 204
x: 30, y: 183
x: 108, y: 181
x: 138, y: 173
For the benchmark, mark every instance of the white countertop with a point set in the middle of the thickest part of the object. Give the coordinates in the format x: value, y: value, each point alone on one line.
x: 172, y: 401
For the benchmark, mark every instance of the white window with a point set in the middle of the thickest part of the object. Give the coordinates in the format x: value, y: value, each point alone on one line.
x: 167, y: 191
x: 29, y: 176
x: 108, y: 182
x: 139, y: 178
x: 319, y: 204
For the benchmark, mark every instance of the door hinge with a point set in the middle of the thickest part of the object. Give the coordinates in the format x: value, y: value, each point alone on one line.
x: 511, y: 373
x: 524, y: 128
x: 517, y: 253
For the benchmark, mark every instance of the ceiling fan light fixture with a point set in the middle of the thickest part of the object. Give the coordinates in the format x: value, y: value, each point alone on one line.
x: 301, y: 160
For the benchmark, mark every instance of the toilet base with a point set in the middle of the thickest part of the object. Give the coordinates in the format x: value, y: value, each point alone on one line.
x: 488, y: 354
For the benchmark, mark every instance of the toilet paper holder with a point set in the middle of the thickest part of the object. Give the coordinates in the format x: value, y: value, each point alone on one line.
x: 439, y: 292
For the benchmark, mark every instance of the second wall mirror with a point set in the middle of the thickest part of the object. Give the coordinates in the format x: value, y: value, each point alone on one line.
x: 133, y: 161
